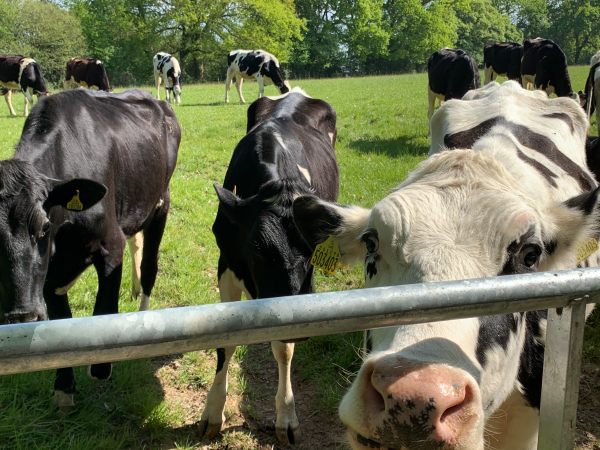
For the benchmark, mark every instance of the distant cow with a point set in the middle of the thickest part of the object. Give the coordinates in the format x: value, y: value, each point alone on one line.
x: 20, y: 73
x: 595, y: 59
x: 544, y: 66
x: 502, y: 59
x: 86, y: 72
x: 591, y: 97
x: 287, y: 152
x: 451, y: 74
x: 504, y: 191
x: 253, y: 64
x: 73, y: 195
x: 166, y: 68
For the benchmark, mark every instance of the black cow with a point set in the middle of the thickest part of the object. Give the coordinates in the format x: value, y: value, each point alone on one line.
x: 544, y: 66
x: 20, y: 73
x: 253, y: 64
x: 592, y: 155
x: 591, y: 97
x: 502, y: 59
x: 451, y: 74
x: 288, y: 151
x: 127, y: 143
x: 86, y: 72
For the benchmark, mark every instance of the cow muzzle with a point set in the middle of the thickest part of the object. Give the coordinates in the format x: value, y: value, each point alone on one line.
x: 401, y: 404
x: 35, y: 314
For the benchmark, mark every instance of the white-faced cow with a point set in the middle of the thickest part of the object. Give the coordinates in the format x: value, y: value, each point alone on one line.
x: 288, y: 152
x: 90, y: 172
x: 591, y: 95
x: 250, y: 64
x: 20, y: 73
x: 451, y: 74
x: 166, y: 68
x: 86, y: 72
x: 502, y: 59
x: 505, y: 191
x: 544, y: 66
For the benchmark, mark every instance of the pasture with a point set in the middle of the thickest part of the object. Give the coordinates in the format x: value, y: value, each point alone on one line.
x: 153, y: 404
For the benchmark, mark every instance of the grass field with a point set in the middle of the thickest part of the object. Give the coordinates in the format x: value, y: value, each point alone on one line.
x: 382, y: 135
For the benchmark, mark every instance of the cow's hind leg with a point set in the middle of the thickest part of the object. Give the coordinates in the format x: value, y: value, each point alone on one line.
x: 228, y: 81
x: 153, y: 234
x: 109, y: 267
x: 286, y: 425
x: 238, y: 85
x: 28, y: 100
x: 230, y: 289
x: 136, y: 245
x: 8, y: 99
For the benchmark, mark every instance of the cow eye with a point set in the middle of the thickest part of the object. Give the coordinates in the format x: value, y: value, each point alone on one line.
x: 43, y: 231
x: 530, y: 255
x: 371, y: 240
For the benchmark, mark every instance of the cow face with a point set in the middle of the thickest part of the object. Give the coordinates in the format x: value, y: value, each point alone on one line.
x: 459, y: 215
x: 26, y: 232
x: 266, y: 239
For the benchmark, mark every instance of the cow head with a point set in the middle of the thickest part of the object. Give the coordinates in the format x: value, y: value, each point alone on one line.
x: 26, y: 233
x: 277, y: 257
x: 459, y: 215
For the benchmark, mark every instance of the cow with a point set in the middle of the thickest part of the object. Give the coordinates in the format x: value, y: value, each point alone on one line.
x: 166, y: 68
x: 451, y: 74
x: 590, y: 98
x: 18, y: 72
x: 288, y: 151
x: 592, y: 155
x: 505, y: 190
x: 544, y: 66
x: 248, y: 64
x: 86, y: 72
x: 73, y: 195
x: 502, y: 59
x: 595, y: 58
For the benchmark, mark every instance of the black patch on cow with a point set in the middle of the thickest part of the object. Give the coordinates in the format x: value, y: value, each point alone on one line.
x: 518, y: 250
x: 368, y: 341
x: 495, y: 330
x: 550, y: 247
x: 527, y: 138
x: 220, y: 359
x: 547, y: 173
x: 585, y: 202
x: 531, y: 363
x: 564, y: 117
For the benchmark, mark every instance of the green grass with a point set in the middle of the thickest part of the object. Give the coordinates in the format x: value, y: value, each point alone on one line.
x: 382, y: 135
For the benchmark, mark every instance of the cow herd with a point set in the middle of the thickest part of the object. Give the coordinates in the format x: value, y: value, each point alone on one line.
x: 506, y: 190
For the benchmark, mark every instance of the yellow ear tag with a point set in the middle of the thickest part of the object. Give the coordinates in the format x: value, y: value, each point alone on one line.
x: 75, y: 203
x: 326, y: 256
x: 586, y: 248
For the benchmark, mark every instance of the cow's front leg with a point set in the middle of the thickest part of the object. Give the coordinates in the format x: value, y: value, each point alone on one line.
x: 238, y: 85
x: 230, y: 289
x: 261, y: 86
x: 7, y: 98
x: 28, y: 93
x: 136, y: 246
x: 109, y: 267
x: 286, y: 425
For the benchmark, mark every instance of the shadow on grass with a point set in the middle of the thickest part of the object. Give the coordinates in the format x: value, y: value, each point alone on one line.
x: 187, y: 105
x: 396, y: 147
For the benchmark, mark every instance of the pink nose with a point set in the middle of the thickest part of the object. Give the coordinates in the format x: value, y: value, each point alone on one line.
x: 410, y: 402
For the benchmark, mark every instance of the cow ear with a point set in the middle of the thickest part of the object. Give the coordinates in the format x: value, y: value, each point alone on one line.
x: 228, y: 203
x: 316, y: 220
x: 77, y: 194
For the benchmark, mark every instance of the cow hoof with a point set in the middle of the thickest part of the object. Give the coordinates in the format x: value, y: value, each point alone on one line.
x: 64, y: 401
x: 135, y: 293
x: 208, y: 430
x: 288, y: 436
x: 101, y: 371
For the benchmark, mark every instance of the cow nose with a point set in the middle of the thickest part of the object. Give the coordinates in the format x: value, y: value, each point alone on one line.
x: 430, y: 402
x: 20, y: 316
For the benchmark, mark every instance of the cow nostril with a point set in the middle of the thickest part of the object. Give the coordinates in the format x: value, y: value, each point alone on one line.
x: 458, y: 404
x: 372, y: 395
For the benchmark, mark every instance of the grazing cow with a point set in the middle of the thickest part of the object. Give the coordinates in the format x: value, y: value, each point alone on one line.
x: 86, y: 72
x: 55, y: 221
x: 595, y: 58
x: 505, y: 191
x: 590, y: 98
x: 451, y: 74
x: 24, y: 74
x: 502, y: 59
x: 288, y: 151
x: 166, y: 67
x: 544, y: 66
x: 253, y: 64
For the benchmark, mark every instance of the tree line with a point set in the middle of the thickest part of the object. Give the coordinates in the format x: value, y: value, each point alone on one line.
x: 312, y: 38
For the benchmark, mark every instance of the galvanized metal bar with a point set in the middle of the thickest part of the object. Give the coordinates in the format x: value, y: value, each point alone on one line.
x: 73, y: 342
x: 560, y: 385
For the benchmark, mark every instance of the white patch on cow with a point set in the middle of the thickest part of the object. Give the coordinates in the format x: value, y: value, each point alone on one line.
x: 136, y: 247
x: 160, y: 203
x: 63, y: 290
x: 231, y: 287
x: 295, y: 89
x: 597, y: 74
x: 513, y: 426
x: 279, y: 140
x: 331, y: 136
x: 304, y: 172
x: 98, y: 62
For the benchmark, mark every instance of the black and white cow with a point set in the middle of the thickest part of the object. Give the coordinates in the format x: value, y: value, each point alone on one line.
x: 505, y: 190
x: 167, y: 69
x: 20, y: 73
x: 595, y: 59
x: 250, y: 64
x: 90, y: 172
x: 502, y: 59
x: 288, y: 152
x: 86, y: 72
x: 451, y: 74
x: 544, y: 66
x: 591, y: 95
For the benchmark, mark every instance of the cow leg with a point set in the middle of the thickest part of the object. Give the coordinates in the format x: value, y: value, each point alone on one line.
x: 228, y: 81
x: 153, y: 234
x: 28, y: 99
x: 488, y: 75
x: 261, y: 86
x: 109, y: 267
x: 136, y: 244
x: 431, y: 98
x: 286, y: 425
x: 157, y: 83
x: 230, y: 289
x: 238, y: 85
x: 168, y: 95
x: 8, y: 99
